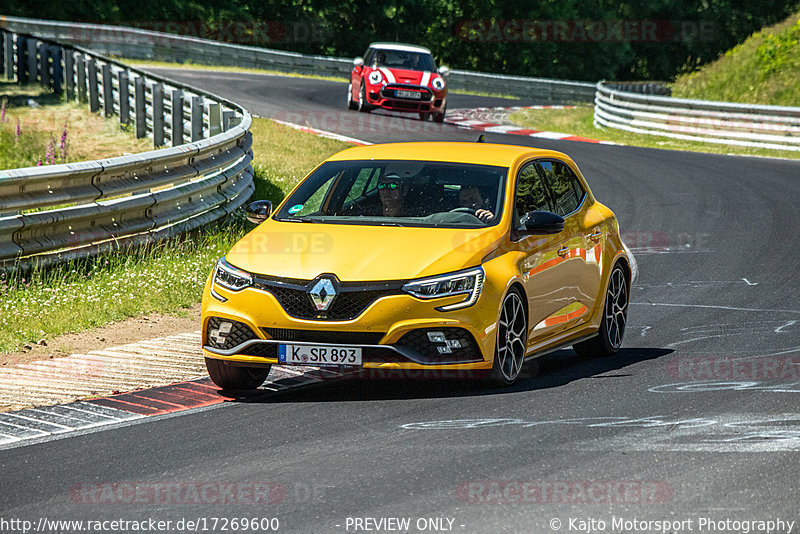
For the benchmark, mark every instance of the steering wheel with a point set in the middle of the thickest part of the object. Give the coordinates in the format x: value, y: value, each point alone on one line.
x: 471, y: 211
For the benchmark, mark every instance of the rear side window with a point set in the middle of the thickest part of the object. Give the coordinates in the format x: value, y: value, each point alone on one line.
x: 564, y: 186
x: 531, y: 192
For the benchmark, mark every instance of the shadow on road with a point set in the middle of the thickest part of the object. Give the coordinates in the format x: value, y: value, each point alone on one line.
x: 554, y: 370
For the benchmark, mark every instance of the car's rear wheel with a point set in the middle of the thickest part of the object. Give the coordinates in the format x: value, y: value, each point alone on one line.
x: 232, y: 377
x: 351, y: 104
x: 615, y: 316
x: 512, y: 337
x: 362, y: 100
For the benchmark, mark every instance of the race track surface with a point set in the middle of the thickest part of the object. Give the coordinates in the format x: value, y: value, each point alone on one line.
x: 665, y: 430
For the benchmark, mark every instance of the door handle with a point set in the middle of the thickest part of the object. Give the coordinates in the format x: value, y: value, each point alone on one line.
x: 563, y: 251
x: 595, y: 235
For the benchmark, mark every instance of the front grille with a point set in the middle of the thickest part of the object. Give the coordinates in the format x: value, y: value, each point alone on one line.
x: 417, y: 341
x: 239, y: 333
x: 350, y: 302
x: 321, y: 336
x: 390, y: 91
x: 262, y: 350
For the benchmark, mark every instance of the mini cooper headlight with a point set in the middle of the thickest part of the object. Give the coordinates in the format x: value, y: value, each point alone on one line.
x: 375, y: 77
x: 468, y: 283
x: 438, y: 83
x: 229, y: 277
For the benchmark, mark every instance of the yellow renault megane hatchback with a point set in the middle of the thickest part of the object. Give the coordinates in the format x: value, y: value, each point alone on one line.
x: 468, y: 257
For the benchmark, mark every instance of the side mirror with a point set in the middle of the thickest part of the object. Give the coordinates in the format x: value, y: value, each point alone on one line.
x: 258, y: 211
x: 542, y: 222
x: 444, y: 71
x: 357, y: 62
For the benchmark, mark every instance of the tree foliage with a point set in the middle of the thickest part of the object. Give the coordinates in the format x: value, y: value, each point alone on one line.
x: 570, y: 39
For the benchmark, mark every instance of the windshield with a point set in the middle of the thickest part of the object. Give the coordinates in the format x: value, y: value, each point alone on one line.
x: 399, y: 193
x: 402, y: 59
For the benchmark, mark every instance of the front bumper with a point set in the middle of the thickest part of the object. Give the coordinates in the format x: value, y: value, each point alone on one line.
x: 385, y: 97
x: 391, y: 331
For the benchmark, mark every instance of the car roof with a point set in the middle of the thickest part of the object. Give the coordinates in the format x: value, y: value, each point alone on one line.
x: 400, y: 46
x: 476, y: 153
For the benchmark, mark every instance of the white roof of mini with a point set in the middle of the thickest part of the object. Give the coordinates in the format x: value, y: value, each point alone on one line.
x: 400, y: 46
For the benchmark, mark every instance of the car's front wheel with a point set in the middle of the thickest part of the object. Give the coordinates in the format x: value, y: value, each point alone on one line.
x: 512, y: 337
x: 351, y: 104
x: 232, y: 377
x: 615, y: 316
x: 438, y: 116
x: 362, y: 100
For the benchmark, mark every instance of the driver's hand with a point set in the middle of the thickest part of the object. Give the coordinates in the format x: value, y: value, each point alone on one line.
x: 484, y: 215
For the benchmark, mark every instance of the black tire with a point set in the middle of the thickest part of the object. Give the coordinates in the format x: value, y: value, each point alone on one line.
x: 232, y: 377
x: 615, y: 317
x: 423, y: 115
x: 351, y: 104
x: 438, y: 116
x: 512, y: 338
x: 362, y: 100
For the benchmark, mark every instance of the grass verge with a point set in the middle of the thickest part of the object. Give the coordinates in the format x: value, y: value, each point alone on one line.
x: 761, y: 70
x: 38, y: 127
x: 165, y: 278
x: 580, y: 121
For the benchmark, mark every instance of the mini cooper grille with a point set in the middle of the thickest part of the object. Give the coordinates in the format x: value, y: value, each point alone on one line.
x: 390, y: 91
x: 321, y: 336
x: 239, y: 333
x: 419, y: 342
x: 350, y: 302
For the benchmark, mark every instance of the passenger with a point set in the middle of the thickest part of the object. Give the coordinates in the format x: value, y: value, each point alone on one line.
x: 470, y: 197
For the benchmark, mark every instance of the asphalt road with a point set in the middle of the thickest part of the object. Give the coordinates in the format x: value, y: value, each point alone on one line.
x: 716, y: 242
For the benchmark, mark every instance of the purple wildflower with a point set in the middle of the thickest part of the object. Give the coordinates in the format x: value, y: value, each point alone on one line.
x: 50, y: 156
x: 39, y: 164
x: 3, y: 112
x: 63, y: 145
x: 16, y: 132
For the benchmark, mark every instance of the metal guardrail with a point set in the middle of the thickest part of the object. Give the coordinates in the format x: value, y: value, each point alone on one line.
x: 773, y: 127
x: 55, y: 212
x: 151, y: 45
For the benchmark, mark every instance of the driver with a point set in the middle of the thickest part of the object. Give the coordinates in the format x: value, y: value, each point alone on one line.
x: 470, y: 197
x: 392, y: 190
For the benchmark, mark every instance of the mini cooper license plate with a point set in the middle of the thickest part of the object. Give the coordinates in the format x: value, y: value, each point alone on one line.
x: 319, y: 355
x: 408, y: 94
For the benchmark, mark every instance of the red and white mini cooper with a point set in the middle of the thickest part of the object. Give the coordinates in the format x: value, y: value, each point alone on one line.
x: 398, y: 77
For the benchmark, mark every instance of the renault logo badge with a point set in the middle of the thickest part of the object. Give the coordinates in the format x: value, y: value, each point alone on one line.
x: 322, y: 293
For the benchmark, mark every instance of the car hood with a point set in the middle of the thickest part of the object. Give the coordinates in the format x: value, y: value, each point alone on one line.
x: 360, y: 253
x: 414, y: 77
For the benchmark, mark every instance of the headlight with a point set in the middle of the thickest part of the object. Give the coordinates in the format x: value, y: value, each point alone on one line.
x: 438, y: 83
x: 375, y: 77
x: 468, y: 283
x: 229, y: 277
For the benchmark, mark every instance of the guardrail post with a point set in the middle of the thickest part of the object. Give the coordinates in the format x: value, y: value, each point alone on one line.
x: 8, y: 55
x: 158, y: 114
x: 32, y: 63
x: 197, y: 118
x: 139, y: 105
x: 44, y: 64
x: 108, y: 91
x: 81, y: 67
x: 214, y: 119
x: 58, y: 71
x: 124, y: 100
x: 94, y: 97
x: 177, y: 117
x: 227, y: 119
x: 22, y: 49
x: 69, y: 74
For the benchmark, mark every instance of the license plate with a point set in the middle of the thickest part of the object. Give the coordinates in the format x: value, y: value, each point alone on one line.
x: 319, y: 355
x: 408, y: 94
